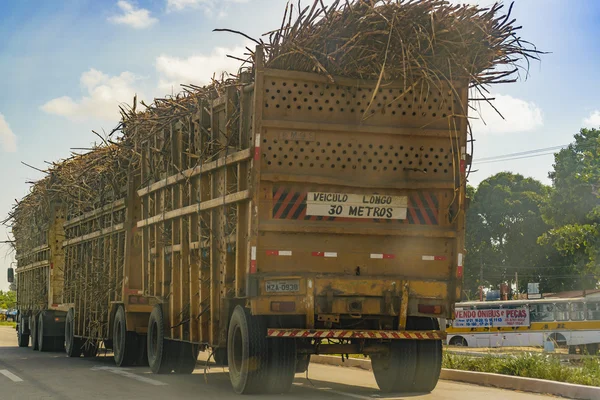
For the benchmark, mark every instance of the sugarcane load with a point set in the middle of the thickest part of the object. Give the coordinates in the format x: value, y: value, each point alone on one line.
x: 312, y: 203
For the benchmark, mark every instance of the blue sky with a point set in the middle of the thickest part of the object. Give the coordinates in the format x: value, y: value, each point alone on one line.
x: 66, y: 65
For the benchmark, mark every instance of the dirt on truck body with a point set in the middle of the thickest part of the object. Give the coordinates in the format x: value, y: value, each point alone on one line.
x: 312, y: 204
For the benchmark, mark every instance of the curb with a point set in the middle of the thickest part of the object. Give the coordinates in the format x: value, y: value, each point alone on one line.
x: 540, y: 386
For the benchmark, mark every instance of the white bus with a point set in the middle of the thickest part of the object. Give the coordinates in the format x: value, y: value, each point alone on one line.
x: 527, y: 323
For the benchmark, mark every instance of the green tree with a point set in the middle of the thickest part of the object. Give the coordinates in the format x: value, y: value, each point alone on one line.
x: 573, y: 208
x: 504, y: 222
x: 8, y: 299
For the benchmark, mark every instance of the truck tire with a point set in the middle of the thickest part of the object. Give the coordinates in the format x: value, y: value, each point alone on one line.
x: 45, y: 343
x: 282, y: 365
x: 22, y: 337
x: 429, y: 356
x: 247, y: 352
x: 395, y: 371
x: 158, y: 355
x: 34, y: 332
x: 187, y: 357
x: 124, y: 343
x: 73, y: 345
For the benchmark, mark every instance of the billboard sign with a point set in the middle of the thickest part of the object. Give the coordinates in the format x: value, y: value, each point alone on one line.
x: 491, y: 318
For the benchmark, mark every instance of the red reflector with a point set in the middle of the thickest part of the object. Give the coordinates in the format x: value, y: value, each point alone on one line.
x: 283, y: 306
x: 253, y: 267
x: 133, y: 299
x: 459, y: 271
x: 429, y: 309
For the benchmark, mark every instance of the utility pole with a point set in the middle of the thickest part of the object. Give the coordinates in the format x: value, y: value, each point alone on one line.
x: 517, y: 284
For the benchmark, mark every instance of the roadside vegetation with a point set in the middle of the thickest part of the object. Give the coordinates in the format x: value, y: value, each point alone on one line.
x: 8, y: 323
x: 529, y: 365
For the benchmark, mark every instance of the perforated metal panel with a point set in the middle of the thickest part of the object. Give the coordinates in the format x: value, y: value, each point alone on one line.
x: 380, y: 157
x: 392, y: 106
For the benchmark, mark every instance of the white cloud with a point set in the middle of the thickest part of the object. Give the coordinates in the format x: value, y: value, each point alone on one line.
x: 593, y: 121
x: 8, y: 140
x: 137, y: 18
x: 197, y: 69
x: 519, y: 116
x: 210, y: 7
x: 103, y: 95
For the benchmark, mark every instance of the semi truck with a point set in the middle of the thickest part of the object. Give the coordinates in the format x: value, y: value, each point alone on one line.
x: 264, y: 221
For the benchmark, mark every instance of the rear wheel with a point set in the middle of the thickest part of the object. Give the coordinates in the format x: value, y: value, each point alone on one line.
x: 45, y: 342
x: 158, y: 359
x: 395, y: 371
x: 247, y: 352
x: 458, y: 341
x: 34, y: 332
x: 282, y: 365
x: 73, y: 345
x: 124, y: 343
x: 22, y: 336
x: 429, y: 356
x: 187, y: 357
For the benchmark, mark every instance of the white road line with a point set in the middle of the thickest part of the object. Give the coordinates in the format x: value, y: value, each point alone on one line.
x: 10, y: 375
x: 330, y: 390
x: 124, y: 372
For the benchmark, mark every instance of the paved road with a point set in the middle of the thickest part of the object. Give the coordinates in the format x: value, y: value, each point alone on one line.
x: 27, y: 374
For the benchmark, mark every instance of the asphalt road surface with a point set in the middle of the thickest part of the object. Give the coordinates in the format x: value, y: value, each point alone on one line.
x: 27, y: 374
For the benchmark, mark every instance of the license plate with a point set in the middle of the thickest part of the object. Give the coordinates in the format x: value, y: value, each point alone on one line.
x: 282, y: 286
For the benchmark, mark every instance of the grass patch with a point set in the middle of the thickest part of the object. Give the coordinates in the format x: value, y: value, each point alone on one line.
x: 530, y: 365
x: 8, y: 323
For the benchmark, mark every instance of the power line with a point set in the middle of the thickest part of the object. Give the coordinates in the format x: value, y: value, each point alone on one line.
x: 527, y: 154
x: 522, y: 153
x: 513, y: 158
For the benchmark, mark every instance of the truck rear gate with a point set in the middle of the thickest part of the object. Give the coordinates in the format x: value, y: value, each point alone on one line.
x: 357, y: 203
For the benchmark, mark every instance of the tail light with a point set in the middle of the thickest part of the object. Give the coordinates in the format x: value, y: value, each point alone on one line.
x: 138, y: 300
x: 283, y: 306
x: 430, y: 309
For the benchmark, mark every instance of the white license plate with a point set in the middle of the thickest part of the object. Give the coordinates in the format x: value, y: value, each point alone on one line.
x: 282, y: 286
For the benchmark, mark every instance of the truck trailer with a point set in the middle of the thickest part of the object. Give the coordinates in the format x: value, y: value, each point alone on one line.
x: 264, y: 221
x: 283, y: 212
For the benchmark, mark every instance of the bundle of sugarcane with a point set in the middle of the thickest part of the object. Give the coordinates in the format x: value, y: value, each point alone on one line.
x: 153, y: 125
x: 408, y: 40
x: 80, y: 183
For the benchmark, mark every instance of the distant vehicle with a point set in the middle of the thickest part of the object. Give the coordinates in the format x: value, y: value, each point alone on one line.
x: 11, y: 315
x: 528, y: 323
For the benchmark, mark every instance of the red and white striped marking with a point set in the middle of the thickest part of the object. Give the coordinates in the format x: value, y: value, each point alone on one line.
x: 433, y: 258
x: 253, y: 260
x: 382, y: 256
x: 463, y: 159
x: 348, y: 334
x: 283, y: 253
x: 257, y: 147
x: 459, y: 266
x: 326, y: 254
